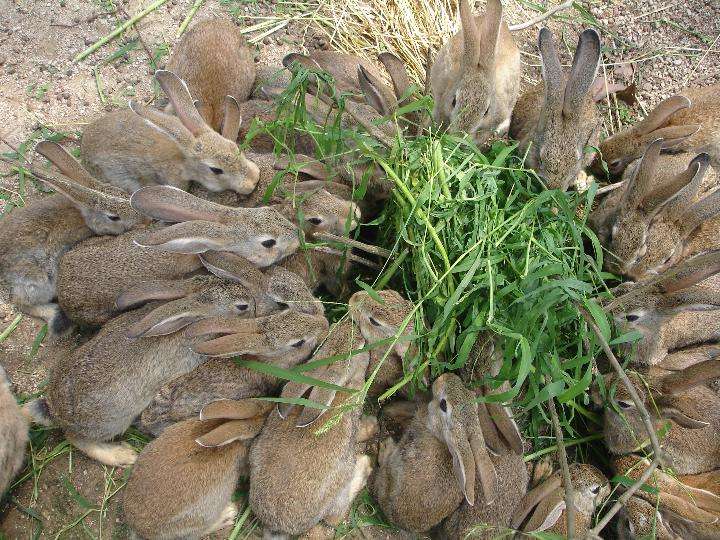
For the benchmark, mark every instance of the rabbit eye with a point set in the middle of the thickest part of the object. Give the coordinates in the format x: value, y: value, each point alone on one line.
x: 215, y: 170
x: 632, y: 317
x: 282, y: 305
x: 241, y: 307
x: 595, y: 489
x: 454, y: 101
x: 624, y: 405
x: 299, y: 344
x: 443, y: 405
x: 374, y: 321
x: 315, y: 220
x: 270, y: 242
x: 113, y: 217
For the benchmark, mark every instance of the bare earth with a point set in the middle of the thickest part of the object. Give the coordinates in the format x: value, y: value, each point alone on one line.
x: 670, y: 44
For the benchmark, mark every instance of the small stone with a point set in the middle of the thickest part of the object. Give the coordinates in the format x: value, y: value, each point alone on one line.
x: 10, y: 70
x: 89, y: 41
x: 68, y: 72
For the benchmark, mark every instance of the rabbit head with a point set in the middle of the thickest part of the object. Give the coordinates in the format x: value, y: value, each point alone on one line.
x: 217, y: 162
x: 622, y: 148
x: 284, y: 334
x: 378, y: 321
x: 105, y: 209
x: 467, y: 97
x: 322, y: 211
x: 452, y: 416
x: 646, y: 236
x: 261, y: 235
x: 545, y: 504
x: 215, y: 300
x: 568, y: 120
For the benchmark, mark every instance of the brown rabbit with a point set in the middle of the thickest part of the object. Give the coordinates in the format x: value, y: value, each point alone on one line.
x: 681, y: 397
x: 440, y: 461
x: 557, y: 120
x: 640, y: 519
x: 475, y: 78
x: 689, y: 122
x: 13, y: 434
x: 590, y: 487
x: 94, y: 393
x: 35, y: 237
x: 183, y: 482
x: 142, y: 146
x: 299, y: 477
x: 215, y: 61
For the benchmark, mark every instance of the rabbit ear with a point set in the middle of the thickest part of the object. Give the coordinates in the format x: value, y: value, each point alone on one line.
x: 166, y: 124
x: 231, y: 266
x: 680, y: 418
x: 232, y: 120
x: 70, y: 167
x: 182, y: 101
x: 679, y: 205
x: 492, y: 436
x: 223, y: 325
x: 506, y: 425
x: 338, y: 374
x: 235, y: 345
x: 462, y: 456
x: 371, y: 90
x: 231, y: 431
x: 310, y: 166
x: 674, y: 135
x: 84, y: 197
x: 547, y: 513
x: 582, y: 73
x: 552, y: 71
x: 471, y: 37
x: 641, y: 183
x: 533, y: 497
x: 661, y: 114
x: 490, y: 32
x: 700, y: 212
x: 234, y: 409
x: 204, y: 110
x: 695, y: 270
x: 168, y: 203
x: 190, y: 237
x: 695, y: 375
x: 398, y: 73
x: 483, y: 464
x: 167, y: 319
x: 292, y: 390
x: 152, y: 290
x: 669, y: 189
x: 301, y: 59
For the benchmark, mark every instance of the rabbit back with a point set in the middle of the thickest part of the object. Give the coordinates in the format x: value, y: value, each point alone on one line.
x: 99, y: 389
x: 416, y: 487
x: 33, y: 240
x: 177, y: 489
x: 93, y: 274
x: 296, y: 475
x: 512, y: 480
x: 214, y: 59
x: 122, y: 149
x: 13, y: 434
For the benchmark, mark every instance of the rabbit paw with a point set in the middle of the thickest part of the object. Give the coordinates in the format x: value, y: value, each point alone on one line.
x: 368, y: 428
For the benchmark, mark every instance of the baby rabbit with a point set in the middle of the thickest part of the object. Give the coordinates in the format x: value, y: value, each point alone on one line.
x: 143, y: 146
x: 260, y: 235
x: 475, y: 78
x: 13, y: 434
x: 424, y: 478
x: 693, y: 409
x: 36, y: 236
x: 215, y: 61
x: 183, y: 482
x: 689, y: 122
x: 557, y: 120
x: 299, y: 477
x: 590, y: 489
x: 94, y: 393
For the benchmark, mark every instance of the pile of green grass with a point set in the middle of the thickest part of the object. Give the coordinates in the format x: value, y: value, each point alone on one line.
x: 483, y: 249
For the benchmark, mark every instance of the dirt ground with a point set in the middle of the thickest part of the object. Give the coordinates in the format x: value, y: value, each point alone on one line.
x: 669, y: 44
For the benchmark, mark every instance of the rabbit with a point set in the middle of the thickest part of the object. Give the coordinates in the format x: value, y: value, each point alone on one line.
x: 35, y: 237
x: 681, y: 397
x: 183, y: 482
x: 322, y: 205
x: 13, y: 434
x: 688, y: 122
x: 440, y: 461
x: 94, y: 393
x: 475, y: 78
x: 641, y: 519
x: 590, y: 487
x: 684, y: 506
x: 556, y: 121
x: 214, y: 60
x: 652, y: 223
x: 298, y: 476
x: 378, y: 321
x: 141, y: 146
x: 261, y: 235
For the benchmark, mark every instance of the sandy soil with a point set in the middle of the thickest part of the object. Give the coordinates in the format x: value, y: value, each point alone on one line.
x: 669, y: 44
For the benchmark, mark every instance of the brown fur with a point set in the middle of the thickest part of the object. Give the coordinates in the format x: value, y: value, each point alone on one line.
x: 13, y: 434
x: 214, y: 59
